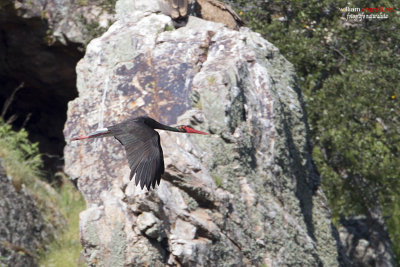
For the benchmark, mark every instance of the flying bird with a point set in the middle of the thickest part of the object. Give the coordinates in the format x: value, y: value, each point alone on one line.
x: 142, y: 145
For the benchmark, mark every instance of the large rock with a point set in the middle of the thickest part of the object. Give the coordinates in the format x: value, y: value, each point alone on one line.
x: 246, y: 195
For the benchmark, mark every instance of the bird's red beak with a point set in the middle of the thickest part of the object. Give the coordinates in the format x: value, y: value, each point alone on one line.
x: 191, y: 130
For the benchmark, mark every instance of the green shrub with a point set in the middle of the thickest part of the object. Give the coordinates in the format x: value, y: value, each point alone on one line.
x: 21, y: 158
x: 17, y: 143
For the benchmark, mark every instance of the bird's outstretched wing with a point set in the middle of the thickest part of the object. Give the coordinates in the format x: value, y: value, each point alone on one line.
x: 143, y: 150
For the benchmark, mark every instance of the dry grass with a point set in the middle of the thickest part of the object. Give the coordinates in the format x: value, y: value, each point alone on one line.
x: 65, y: 250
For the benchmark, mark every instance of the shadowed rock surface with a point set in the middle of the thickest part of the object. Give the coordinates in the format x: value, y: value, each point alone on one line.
x: 366, y: 242
x: 40, y: 45
x: 246, y: 195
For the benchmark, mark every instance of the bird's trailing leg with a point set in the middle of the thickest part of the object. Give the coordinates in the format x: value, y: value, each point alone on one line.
x: 99, y: 133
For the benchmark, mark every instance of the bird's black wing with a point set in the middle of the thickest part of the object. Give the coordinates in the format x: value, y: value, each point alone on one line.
x: 143, y: 150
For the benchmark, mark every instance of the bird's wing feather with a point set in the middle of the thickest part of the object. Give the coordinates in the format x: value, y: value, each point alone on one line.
x: 143, y: 150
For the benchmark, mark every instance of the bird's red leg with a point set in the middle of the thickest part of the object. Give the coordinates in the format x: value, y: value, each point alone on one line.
x: 98, y: 133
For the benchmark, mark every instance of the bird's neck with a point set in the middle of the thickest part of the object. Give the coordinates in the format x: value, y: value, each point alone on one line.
x: 168, y: 128
x: 160, y: 126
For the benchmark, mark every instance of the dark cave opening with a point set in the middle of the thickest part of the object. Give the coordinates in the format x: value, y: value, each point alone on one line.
x: 45, y: 74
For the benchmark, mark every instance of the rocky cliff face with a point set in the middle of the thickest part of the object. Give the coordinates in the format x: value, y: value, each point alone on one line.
x: 246, y: 195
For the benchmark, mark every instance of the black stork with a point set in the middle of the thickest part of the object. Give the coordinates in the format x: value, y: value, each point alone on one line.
x: 142, y: 145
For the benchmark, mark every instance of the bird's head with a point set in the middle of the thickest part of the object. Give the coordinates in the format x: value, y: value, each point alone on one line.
x: 187, y: 129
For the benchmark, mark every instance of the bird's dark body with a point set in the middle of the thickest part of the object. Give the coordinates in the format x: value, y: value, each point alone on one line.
x: 142, y: 146
x: 143, y: 149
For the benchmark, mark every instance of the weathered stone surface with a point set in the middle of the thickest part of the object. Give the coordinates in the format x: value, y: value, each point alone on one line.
x: 366, y: 242
x: 150, y: 225
x: 246, y: 195
x: 217, y: 11
x: 23, y: 227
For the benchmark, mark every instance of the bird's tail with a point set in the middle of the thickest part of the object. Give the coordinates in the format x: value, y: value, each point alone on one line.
x: 99, y: 133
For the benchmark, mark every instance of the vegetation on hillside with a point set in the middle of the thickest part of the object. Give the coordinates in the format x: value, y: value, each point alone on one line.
x: 349, y: 72
x: 22, y: 161
x: 21, y: 158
